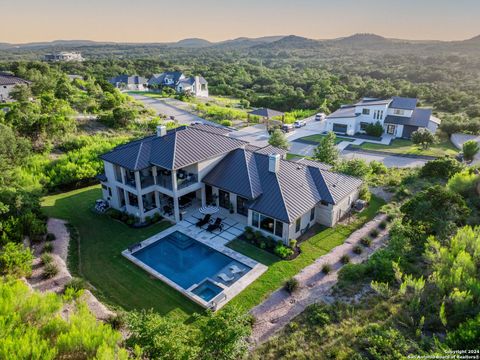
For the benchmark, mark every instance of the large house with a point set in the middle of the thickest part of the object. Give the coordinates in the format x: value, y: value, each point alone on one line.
x: 127, y: 82
x: 399, y: 116
x: 7, y: 84
x: 178, y: 171
x: 64, y: 56
x: 195, y: 85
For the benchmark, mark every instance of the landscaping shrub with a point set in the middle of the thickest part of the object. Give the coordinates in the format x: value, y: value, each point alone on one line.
x: 283, y: 251
x: 293, y: 243
x: 357, y: 249
x: 291, y: 285
x: 326, y: 268
x: 46, y: 258
x: 374, y: 233
x: 48, y: 247
x: 50, y: 237
x: 364, y: 193
x: 271, y: 242
x: 76, y: 284
x: 317, y: 315
x: 226, y: 122
x: 366, y: 241
x: 382, y: 225
x: 354, y: 167
x: 374, y: 129
x: 441, y: 168
x: 50, y: 270
x: 377, y: 167
x: 345, y: 259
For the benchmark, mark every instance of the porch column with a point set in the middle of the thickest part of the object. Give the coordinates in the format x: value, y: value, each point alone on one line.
x: 204, y: 196
x: 176, y: 209
x: 140, y: 206
x: 154, y: 174
x: 122, y: 173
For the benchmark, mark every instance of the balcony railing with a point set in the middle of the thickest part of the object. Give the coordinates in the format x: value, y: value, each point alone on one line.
x: 186, y: 180
x: 164, y: 181
x: 146, y: 181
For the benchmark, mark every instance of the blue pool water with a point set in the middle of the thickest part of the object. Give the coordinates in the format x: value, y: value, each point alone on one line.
x: 184, y: 260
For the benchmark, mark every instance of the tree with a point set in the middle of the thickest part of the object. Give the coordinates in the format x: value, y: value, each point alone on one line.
x: 21, y: 93
x: 223, y: 334
x: 13, y: 152
x: 278, y: 139
x: 326, y: 150
x: 441, y: 168
x: 470, y: 149
x: 437, y: 209
x: 353, y: 167
x: 423, y: 137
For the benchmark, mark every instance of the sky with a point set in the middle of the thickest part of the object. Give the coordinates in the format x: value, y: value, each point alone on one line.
x: 216, y: 20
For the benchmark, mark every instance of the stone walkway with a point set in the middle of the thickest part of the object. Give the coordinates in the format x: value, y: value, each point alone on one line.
x: 314, y: 286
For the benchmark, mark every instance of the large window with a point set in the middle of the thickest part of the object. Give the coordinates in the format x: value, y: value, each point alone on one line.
x: 312, y: 214
x: 366, y: 111
x: 399, y: 112
x: 363, y: 125
x: 242, y: 208
x: 224, y: 199
x: 297, y: 225
x: 267, y: 224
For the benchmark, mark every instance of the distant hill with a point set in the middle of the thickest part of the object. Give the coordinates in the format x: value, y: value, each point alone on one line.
x: 362, y: 38
x: 191, y: 43
x: 475, y: 39
x: 243, y: 42
x: 291, y: 42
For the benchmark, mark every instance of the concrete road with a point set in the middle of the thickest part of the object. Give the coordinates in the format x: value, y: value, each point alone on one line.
x: 171, y: 107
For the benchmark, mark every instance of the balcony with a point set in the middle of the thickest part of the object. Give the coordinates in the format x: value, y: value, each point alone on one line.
x: 164, y: 179
x: 146, y: 181
x: 186, y: 179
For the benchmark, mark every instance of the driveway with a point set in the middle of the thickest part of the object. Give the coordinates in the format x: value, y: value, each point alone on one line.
x: 171, y: 107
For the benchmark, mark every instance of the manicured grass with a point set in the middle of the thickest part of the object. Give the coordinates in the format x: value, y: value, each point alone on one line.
x: 291, y: 156
x: 116, y: 280
x: 402, y: 146
x: 281, y: 270
x: 318, y: 137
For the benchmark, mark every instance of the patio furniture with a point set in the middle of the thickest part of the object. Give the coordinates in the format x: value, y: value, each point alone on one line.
x: 235, y: 269
x: 184, y: 202
x: 209, y: 209
x: 167, y: 210
x: 217, y: 225
x: 225, y: 277
x: 204, y: 221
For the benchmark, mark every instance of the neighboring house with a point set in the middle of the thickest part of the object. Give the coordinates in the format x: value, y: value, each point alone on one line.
x: 8, y: 83
x: 195, y: 85
x: 170, y: 171
x: 64, y: 56
x: 127, y: 82
x: 399, y: 116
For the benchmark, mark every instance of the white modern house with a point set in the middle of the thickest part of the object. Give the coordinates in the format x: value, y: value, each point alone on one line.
x: 64, y: 56
x: 195, y: 85
x: 176, y: 172
x: 399, y: 116
x: 126, y: 82
x: 7, y: 84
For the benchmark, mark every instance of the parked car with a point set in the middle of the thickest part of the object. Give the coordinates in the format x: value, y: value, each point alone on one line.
x: 300, y: 123
x: 287, y: 128
x: 320, y: 117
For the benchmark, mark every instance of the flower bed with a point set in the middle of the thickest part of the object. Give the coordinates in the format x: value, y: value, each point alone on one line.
x: 268, y: 243
x: 132, y: 220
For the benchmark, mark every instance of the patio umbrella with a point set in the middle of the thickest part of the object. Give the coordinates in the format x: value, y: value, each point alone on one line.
x: 209, y: 210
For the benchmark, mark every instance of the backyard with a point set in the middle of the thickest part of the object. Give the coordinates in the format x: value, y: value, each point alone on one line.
x: 118, y: 282
x: 402, y: 146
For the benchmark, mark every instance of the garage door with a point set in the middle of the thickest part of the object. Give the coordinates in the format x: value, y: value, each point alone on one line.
x: 340, y: 128
x: 408, y: 130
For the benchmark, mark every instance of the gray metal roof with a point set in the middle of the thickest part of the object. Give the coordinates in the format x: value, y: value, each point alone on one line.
x: 285, y: 195
x: 372, y: 102
x: 420, y: 118
x: 126, y: 79
x: 10, y: 79
x: 175, y: 76
x: 313, y: 163
x: 174, y: 150
x: 221, y: 130
x: 347, y: 111
x: 267, y: 113
x: 403, y: 103
x: 269, y: 149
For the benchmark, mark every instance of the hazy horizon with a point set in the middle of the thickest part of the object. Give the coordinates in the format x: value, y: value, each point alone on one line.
x: 146, y: 21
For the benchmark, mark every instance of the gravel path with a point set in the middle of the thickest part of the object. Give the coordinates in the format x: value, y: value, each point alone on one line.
x: 314, y: 286
x: 58, y: 282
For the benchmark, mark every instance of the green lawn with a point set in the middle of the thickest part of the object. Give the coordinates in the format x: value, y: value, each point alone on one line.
x: 281, y: 270
x: 402, y: 146
x: 116, y: 280
x: 318, y: 137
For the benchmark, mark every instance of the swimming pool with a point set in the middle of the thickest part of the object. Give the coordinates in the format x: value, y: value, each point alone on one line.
x: 186, y: 262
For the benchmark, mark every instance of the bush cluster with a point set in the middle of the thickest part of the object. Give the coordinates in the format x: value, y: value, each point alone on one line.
x: 268, y: 243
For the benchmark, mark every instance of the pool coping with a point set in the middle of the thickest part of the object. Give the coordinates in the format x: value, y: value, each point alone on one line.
x: 228, y: 293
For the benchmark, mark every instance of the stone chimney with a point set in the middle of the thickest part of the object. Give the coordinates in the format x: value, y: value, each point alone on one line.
x: 161, y: 130
x: 274, y: 163
x: 198, y: 86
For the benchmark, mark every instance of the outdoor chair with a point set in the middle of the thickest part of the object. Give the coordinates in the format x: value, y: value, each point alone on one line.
x: 204, y: 221
x: 217, y: 225
x: 225, y: 277
x: 235, y: 269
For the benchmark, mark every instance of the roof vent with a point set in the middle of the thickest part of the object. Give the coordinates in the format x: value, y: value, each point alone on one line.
x: 161, y: 130
x: 273, y: 163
